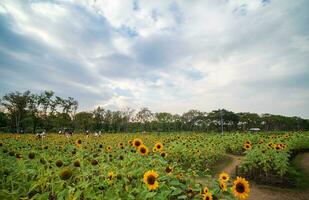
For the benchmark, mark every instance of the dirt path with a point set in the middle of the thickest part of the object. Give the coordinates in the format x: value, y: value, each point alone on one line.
x: 230, y: 169
x: 259, y: 192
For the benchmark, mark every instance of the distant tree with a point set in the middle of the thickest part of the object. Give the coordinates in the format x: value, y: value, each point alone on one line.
x: 126, y: 116
x: 248, y: 120
x: 164, y: 121
x: 34, y: 102
x: 83, y: 121
x: 143, y: 117
x: 193, y: 120
x: 16, y: 104
x: 99, y: 118
x: 4, y: 121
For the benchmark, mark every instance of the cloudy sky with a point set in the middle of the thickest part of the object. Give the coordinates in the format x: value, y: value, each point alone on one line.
x: 166, y: 55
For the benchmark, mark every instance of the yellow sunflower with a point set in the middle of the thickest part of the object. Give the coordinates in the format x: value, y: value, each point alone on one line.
x: 120, y: 145
x: 277, y: 147
x: 163, y: 154
x: 110, y: 176
x: 159, y: 146
x: 78, y: 143
x: 248, y: 142
x: 223, y: 186
x: 205, y: 190
x: 224, y: 177
x: 150, y: 179
x: 137, y: 142
x: 207, y: 196
x: 143, y: 150
x: 241, y: 188
x: 109, y: 148
x: 247, y: 146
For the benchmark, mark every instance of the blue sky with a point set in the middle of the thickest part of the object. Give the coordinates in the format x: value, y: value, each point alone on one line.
x: 166, y: 55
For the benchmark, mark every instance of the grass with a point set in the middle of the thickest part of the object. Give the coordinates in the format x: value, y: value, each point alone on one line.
x: 299, y: 173
x: 221, y: 164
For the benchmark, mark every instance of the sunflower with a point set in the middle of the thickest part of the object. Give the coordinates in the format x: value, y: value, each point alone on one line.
x: 66, y: 174
x: 94, y: 162
x: 150, y: 179
x: 205, y: 190
x: 180, y: 175
x: 163, y: 154
x: 137, y: 142
x: 207, y: 196
x: 109, y: 148
x: 120, y: 145
x: 154, y: 149
x: 168, y: 169
x: 241, y: 188
x: 247, y: 146
x: 261, y: 141
x: 31, y: 155
x: 59, y: 163
x: 222, y: 186
x: 224, y: 177
x: 78, y: 143
x: 110, y: 176
x: 159, y: 146
x: 76, y: 163
x: 277, y: 147
x: 143, y: 150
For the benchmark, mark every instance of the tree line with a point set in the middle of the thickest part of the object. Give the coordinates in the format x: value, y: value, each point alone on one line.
x: 31, y: 113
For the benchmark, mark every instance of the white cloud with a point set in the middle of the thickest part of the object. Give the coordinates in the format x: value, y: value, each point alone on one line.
x: 168, y: 56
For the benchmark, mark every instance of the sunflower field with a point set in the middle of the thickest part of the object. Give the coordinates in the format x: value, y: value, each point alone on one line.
x: 137, y: 166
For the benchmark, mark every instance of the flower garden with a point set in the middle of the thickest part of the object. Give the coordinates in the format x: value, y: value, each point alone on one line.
x: 138, y: 166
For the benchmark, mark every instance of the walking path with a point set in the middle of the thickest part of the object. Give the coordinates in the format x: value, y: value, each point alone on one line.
x: 259, y: 192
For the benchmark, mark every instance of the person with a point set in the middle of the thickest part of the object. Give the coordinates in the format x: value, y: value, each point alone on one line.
x: 68, y: 133
x: 87, y: 133
x: 40, y: 135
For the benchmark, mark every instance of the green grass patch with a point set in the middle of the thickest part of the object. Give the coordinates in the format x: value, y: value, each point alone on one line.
x: 297, y: 171
x: 221, y: 164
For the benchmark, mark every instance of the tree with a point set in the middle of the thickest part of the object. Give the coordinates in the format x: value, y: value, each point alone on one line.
x: 126, y: 115
x: 16, y: 104
x: 164, y: 120
x: 99, y: 114
x: 84, y: 121
x: 34, y: 102
x: 143, y: 117
x: 248, y: 120
x: 193, y: 120
x: 3, y: 121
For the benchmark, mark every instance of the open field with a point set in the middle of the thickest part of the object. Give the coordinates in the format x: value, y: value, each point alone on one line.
x: 139, y: 166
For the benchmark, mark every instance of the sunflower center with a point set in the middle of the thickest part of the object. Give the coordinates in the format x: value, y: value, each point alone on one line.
x: 137, y: 143
x: 240, y: 188
x: 168, y: 169
x: 224, y: 178
x: 207, y: 198
x: 143, y: 150
x: 151, y: 179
